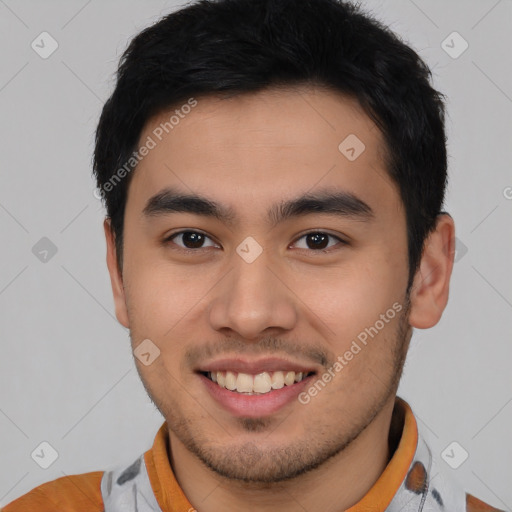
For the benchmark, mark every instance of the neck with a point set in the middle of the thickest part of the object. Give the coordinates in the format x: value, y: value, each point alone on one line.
x: 336, y: 485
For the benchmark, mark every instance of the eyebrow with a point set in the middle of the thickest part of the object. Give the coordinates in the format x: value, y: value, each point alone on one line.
x: 325, y: 201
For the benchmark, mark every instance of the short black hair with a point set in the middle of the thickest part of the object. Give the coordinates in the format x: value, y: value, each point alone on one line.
x: 230, y: 47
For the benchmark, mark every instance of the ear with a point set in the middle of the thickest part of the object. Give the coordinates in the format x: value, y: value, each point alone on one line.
x: 429, y: 292
x: 116, y: 278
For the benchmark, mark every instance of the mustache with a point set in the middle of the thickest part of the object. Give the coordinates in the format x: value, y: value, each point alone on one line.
x: 270, y: 346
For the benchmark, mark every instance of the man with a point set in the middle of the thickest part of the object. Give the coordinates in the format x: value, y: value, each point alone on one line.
x: 274, y: 176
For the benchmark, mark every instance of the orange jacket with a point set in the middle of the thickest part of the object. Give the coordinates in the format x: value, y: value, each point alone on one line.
x: 148, y: 484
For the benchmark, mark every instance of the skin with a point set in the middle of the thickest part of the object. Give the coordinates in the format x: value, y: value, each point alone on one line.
x: 250, y: 152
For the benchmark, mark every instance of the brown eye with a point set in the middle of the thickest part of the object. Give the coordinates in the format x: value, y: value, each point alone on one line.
x: 189, y: 239
x: 318, y: 240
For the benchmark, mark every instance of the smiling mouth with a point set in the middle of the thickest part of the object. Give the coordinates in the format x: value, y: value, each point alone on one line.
x: 259, y: 384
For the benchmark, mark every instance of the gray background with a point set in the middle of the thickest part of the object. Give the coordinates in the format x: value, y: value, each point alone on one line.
x: 67, y: 374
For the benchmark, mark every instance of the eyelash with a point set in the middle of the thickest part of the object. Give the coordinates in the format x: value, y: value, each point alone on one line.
x: 170, y: 238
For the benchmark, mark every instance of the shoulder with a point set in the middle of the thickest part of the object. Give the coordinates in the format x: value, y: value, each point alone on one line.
x: 70, y: 493
x: 475, y: 505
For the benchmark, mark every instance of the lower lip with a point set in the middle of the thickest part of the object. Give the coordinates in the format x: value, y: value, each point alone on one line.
x: 254, y: 406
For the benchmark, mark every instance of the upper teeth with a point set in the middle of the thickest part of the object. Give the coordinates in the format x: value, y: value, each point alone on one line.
x: 260, y: 383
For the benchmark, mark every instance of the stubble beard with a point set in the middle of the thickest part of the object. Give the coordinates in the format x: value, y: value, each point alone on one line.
x: 250, y: 463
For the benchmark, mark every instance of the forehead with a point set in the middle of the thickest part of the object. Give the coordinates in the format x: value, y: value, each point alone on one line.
x: 253, y: 147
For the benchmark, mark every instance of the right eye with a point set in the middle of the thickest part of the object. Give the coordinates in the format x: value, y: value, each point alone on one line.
x: 191, y: 240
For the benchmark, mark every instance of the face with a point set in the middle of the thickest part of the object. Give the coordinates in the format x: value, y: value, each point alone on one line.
x: 261, y: 254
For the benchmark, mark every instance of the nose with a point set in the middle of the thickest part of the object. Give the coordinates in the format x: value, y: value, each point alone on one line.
x: 252, y: 300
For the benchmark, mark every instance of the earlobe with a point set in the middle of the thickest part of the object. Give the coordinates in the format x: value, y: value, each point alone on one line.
x: 116, y: 278
x: 430, y: 288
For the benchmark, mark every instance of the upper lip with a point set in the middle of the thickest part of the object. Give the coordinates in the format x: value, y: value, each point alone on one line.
x: 240, y: 365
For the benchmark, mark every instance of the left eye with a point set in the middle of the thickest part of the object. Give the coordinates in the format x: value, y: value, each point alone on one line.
x: 318, y: 239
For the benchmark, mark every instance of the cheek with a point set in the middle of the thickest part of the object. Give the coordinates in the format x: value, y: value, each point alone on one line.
x: 363, y: 309
x: 159, y: 299
x: 351, y: 298
x: 166, y: 302
x: 157, y: 294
